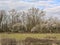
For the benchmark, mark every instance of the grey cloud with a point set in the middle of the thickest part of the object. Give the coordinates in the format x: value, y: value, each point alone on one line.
x: 55, y: 11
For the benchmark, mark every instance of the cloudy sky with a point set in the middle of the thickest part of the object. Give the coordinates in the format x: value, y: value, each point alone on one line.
x: 52, y: 7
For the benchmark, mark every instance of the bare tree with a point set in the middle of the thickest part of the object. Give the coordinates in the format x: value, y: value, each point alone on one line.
x: 2, y: 19
x: 34, y: 17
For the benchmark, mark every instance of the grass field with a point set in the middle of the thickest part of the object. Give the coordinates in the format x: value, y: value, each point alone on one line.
x: 19, y: 36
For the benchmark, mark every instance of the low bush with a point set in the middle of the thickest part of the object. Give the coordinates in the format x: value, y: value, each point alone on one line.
x: 8, y: 41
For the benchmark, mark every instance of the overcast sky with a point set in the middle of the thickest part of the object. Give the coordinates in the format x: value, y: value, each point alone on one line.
x: 52, y: 7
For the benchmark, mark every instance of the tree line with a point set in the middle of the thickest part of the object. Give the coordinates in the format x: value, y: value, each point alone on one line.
x: 31, y: 21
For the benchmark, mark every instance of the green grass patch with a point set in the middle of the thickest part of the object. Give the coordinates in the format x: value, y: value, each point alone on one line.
x: 23, y: 36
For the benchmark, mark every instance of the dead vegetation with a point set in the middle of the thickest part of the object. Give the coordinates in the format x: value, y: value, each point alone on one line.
x: 29, y: 41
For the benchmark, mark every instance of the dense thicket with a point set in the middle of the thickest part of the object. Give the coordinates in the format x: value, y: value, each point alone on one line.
x: 31, y: 21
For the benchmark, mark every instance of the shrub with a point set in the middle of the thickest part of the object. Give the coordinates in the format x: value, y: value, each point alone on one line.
x: 8, y: 41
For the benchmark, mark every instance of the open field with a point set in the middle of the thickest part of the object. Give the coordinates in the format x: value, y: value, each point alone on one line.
x: 23, y: 36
